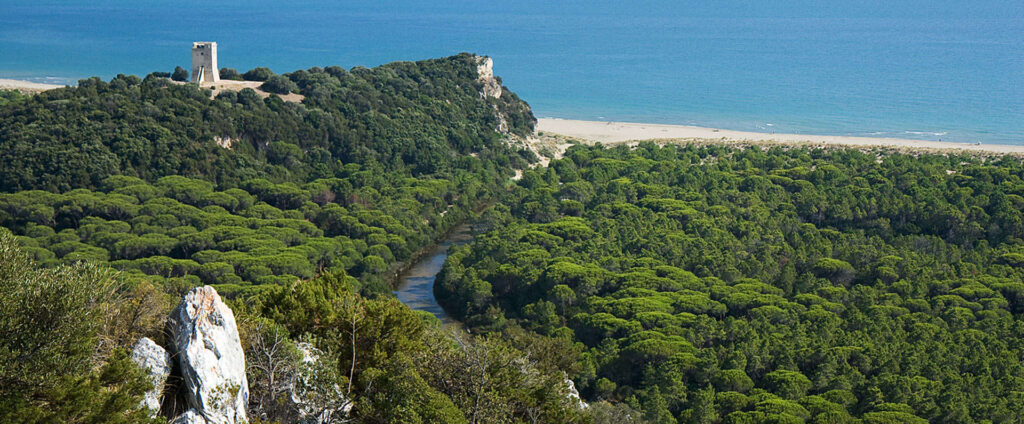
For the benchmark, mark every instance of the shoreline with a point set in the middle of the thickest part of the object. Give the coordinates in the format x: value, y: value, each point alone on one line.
x: 615, y: 132
x: 26, y: 86
x: 611, y: 132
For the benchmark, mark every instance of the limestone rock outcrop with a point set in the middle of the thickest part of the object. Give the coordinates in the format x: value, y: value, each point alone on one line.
x: 157, y: 362
x: 491, y: 88
x: 574, y: 395
x: 485, y: 74
x: 317, y: 404
x: 225, y: 142
x: 189, y: 417
x: 210, y: 357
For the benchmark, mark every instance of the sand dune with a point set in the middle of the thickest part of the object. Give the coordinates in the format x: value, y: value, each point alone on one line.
x: 619, y: 132
x: 26, y: 86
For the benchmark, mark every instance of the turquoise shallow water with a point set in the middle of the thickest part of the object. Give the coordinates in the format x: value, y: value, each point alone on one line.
x: 911, y: 69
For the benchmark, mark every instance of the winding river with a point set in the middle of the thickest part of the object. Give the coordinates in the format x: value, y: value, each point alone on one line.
x: 416, y: 288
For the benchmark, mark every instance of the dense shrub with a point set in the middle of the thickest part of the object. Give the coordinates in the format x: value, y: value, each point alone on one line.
x: 279, y: 84
x: 230, y: 74
x: 179, y: 74
x: 258, y: 74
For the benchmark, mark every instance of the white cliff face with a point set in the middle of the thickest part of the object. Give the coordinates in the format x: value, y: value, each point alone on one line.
x: 485, y: 74
x: 157, y: 362
x: 211, y: 359
x: 491, y: 88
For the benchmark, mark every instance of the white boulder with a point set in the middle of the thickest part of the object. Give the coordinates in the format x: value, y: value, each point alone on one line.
x: 157, y: 362
x: 211, y: 359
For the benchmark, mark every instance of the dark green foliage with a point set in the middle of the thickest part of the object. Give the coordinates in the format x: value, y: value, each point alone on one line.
x: 61, y: 300
x: 399, y: 366
x: 265, y: 233
x: 279, y: 85
x: 414, y: 118
x: 375, y: 165
x: 258, y: 74
x: 179, y: 74
x: 10, y: 96
x: 371, y: 169
x: 785, y: 285
x: 230, y: 74
x: 51, y: 366
x: 674, y: 284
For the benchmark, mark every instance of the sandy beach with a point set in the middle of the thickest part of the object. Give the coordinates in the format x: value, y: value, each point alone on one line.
x: 26, y: 86
x: 620, y: 132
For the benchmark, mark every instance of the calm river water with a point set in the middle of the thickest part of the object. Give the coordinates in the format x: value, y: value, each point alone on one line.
x: 416, y: 289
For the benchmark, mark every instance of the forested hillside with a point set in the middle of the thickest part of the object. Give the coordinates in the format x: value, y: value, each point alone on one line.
x: 294, y: 211
x: 715, y: 284
x: 411, y: 117
x: 156, y: 178
x: 672, y: 284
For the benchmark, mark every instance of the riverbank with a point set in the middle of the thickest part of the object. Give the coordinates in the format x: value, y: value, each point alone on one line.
x: 415, y: 286
x: 623, y: 132
x: 27, y: 87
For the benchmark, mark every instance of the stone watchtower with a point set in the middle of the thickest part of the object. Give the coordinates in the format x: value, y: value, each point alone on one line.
x: 204, y: 62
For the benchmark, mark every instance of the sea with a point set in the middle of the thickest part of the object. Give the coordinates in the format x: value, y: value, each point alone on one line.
x: 930, y: 70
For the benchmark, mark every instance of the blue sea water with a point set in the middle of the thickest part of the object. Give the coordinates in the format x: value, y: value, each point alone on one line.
x: 942, y: 69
